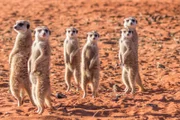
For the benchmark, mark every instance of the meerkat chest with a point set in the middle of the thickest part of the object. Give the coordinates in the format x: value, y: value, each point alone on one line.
x: 70, y: 46
x: 90, y: 52
x: 124, y: 44
x: 35, y: 50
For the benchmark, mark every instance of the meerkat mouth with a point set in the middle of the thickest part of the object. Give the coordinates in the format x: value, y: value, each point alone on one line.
x: 44, y: 35
x: 16, y: 28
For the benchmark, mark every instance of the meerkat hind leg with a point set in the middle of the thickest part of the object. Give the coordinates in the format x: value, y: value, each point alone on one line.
x: 83, y: 85
x: 22, y: 95
x: 125, y: 81
x: 132, y: 76
x: 40, y: 104
x: 68, y: 75
x: 30, y: 94
x: 77, y: 78
x: 48, y: 100
x: 95, y: 85
x: 16, y: 94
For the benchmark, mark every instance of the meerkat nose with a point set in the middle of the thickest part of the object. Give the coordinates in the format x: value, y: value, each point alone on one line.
x: 15, y: 27
x: 44, y: 34
x: 131, y: 23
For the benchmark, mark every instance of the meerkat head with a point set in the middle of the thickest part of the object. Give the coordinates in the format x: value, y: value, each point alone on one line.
x: 127, y: 33
x: 71, y: 32
x: 21, y: 26
x: 92, y: 36
x: 42, y: 33
x: 130, y: 22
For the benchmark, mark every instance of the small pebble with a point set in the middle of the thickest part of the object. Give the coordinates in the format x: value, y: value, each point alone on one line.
x: 60, y: 95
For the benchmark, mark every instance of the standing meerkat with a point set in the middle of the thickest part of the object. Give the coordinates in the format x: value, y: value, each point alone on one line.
x: 131, y: 23
x: 90, y: 66
x: 72, y: 57
x: 127, y: 55
x: 18, y: 59
x: 38, y: 67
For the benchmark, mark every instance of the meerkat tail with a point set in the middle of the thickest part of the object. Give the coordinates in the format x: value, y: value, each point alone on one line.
x: 139, y: 83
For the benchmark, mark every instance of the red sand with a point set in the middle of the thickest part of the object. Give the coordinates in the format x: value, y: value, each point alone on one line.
x: 159, y: 41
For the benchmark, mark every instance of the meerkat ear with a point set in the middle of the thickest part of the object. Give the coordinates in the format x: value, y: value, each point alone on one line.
x: 120, y: 31
x: 76, y: 31
x: 34, y: 32
x: 136, y: 21
x: 98, y: 35
x: 28, y: 26
x: 49, y: 32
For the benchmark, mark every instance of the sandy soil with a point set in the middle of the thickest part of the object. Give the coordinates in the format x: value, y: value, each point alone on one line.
x: 159, y: 43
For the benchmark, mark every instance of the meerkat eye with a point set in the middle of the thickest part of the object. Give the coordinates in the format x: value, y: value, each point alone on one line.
x: 124, y: 31
x: 20, y: 24
x: 90, y: 35
x: 95, y: 35
x: 39, y: 31
x: 69, y: 31
x: 46, y: 30
x: 127, y: 20
x: 74, y: 31
x: 133, y: 20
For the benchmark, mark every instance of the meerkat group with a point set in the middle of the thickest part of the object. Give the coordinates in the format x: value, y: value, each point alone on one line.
x: 30, y: 62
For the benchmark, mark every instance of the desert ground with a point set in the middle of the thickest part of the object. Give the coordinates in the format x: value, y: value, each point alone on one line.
x: 159, y: 58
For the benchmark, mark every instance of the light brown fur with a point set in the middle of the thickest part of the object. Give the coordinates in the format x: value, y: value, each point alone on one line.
x: 131, y: 23
x: 90, y: 64
x: 18, y: 59
x: 72, y: 57
x: 128, y: 55
x: 38, y: 67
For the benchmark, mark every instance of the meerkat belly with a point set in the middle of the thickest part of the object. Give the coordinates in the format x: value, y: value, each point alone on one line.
x: 34, y: 57
x: 89, y: 54
x: 70, y: 47
x: 43, y: 67
x: 19, y: 66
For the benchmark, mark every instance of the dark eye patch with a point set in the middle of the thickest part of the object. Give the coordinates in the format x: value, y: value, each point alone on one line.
x: 127, y: 20
x: 39, y: 30
x: 95, y: 35
x: 90, y: 35
x: 129, y: 32
x: 74, y: 31
x: 68, y: 31
x: 46, y: 30
x: 20, y: 24
x: 133, y: 20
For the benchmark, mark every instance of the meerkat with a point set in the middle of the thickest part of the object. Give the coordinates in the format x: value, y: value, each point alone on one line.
x: 18, y: 58
x: 72, y: 57
x: 131, y: 23
x: 38, y: 68
x: 127, y: 55
x: 90, y: 66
